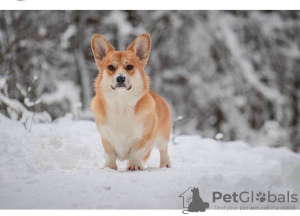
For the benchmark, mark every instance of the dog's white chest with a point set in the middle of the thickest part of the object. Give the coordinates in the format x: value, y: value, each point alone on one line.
x: 122, y: 129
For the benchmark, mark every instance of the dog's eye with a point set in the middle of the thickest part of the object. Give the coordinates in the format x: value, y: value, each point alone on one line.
x: 111, y: 67
x: 129, y: 67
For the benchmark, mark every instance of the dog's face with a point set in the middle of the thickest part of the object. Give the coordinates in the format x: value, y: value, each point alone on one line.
x: 122, y: 70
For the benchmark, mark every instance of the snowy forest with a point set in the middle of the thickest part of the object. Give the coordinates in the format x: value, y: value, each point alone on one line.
x: 234, y: 73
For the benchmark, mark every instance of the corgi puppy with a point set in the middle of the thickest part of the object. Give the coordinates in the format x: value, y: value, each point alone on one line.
x: 130, y: 118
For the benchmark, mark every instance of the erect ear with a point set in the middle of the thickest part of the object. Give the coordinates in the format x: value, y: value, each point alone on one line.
x: 100, y: 47
x: 141, y: 47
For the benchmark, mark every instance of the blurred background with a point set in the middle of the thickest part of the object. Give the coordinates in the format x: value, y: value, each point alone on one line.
x: 234, y: 74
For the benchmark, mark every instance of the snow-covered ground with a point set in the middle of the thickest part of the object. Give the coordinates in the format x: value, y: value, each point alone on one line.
x: 58, y: 165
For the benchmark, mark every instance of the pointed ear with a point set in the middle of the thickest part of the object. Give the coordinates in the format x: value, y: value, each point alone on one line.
x: 100, y: 46
x: 141, y: 47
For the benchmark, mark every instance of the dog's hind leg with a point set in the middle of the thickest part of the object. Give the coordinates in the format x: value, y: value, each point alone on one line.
x: 162, y: 145
x: 146, y: 157
x: 164, y: 158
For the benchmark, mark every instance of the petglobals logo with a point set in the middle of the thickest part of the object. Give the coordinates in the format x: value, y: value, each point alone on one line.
x: 246, y: 197
x: 193, y: 200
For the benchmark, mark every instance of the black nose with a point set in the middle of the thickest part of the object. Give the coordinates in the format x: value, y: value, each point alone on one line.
x: 121, y: 79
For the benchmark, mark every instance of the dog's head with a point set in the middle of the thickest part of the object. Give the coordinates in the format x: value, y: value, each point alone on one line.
x: 122, y: 70
x: 195, y: 190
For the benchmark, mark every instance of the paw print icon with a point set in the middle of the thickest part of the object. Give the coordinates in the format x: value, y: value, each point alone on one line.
x: 261, y: 197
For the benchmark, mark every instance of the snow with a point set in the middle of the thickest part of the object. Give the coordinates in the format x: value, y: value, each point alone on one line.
x: 246, y: 68
x: 118, y: 18
x: 219, y: 136
x: 2, y: 82
x: 65, y: 90
x: 18, y: 111
x: 69, y: 32
x: 58, y: 165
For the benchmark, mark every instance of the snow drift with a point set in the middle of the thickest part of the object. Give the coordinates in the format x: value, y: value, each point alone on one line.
x: 58, y: 165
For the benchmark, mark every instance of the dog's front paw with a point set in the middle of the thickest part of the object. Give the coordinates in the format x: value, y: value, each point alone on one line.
x: 111, y: 166
x: 166, y: 164
x: 134, y: 166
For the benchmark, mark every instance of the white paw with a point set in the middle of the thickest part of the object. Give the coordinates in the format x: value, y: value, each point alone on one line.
x: 135, y: 166
x: 165, y: 164
x: 111, y: 166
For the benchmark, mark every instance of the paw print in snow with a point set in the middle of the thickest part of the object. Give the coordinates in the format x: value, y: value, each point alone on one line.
x: 261, y: 197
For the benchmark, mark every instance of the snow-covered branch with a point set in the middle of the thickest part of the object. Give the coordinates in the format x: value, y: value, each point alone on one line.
x: 245, y: 67
x: 65, y: 91
x: 19, y: 112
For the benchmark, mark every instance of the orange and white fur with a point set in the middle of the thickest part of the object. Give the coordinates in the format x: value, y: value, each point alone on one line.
x: 130, y: 118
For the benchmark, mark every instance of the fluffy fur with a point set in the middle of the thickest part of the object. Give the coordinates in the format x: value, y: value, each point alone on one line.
x: 130, y: 118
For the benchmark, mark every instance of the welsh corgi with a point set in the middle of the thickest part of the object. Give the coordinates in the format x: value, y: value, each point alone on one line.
x: 131, y: 119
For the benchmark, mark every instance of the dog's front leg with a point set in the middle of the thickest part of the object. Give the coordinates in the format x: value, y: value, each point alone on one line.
x: 110, y: 155
x: 135, y: 160
x: 135, y: 156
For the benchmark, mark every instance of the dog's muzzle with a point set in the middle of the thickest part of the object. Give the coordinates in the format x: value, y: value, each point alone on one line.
x: 121, y: 86
x: 121, y: 83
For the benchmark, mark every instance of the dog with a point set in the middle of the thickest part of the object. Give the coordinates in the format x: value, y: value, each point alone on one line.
x: 130, y: 117
x: 197, y: 203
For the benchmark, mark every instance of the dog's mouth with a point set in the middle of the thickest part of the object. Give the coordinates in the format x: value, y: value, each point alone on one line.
x: 121, y: 86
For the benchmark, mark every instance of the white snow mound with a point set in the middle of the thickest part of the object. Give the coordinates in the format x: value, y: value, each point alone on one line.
x: 58, y: 165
